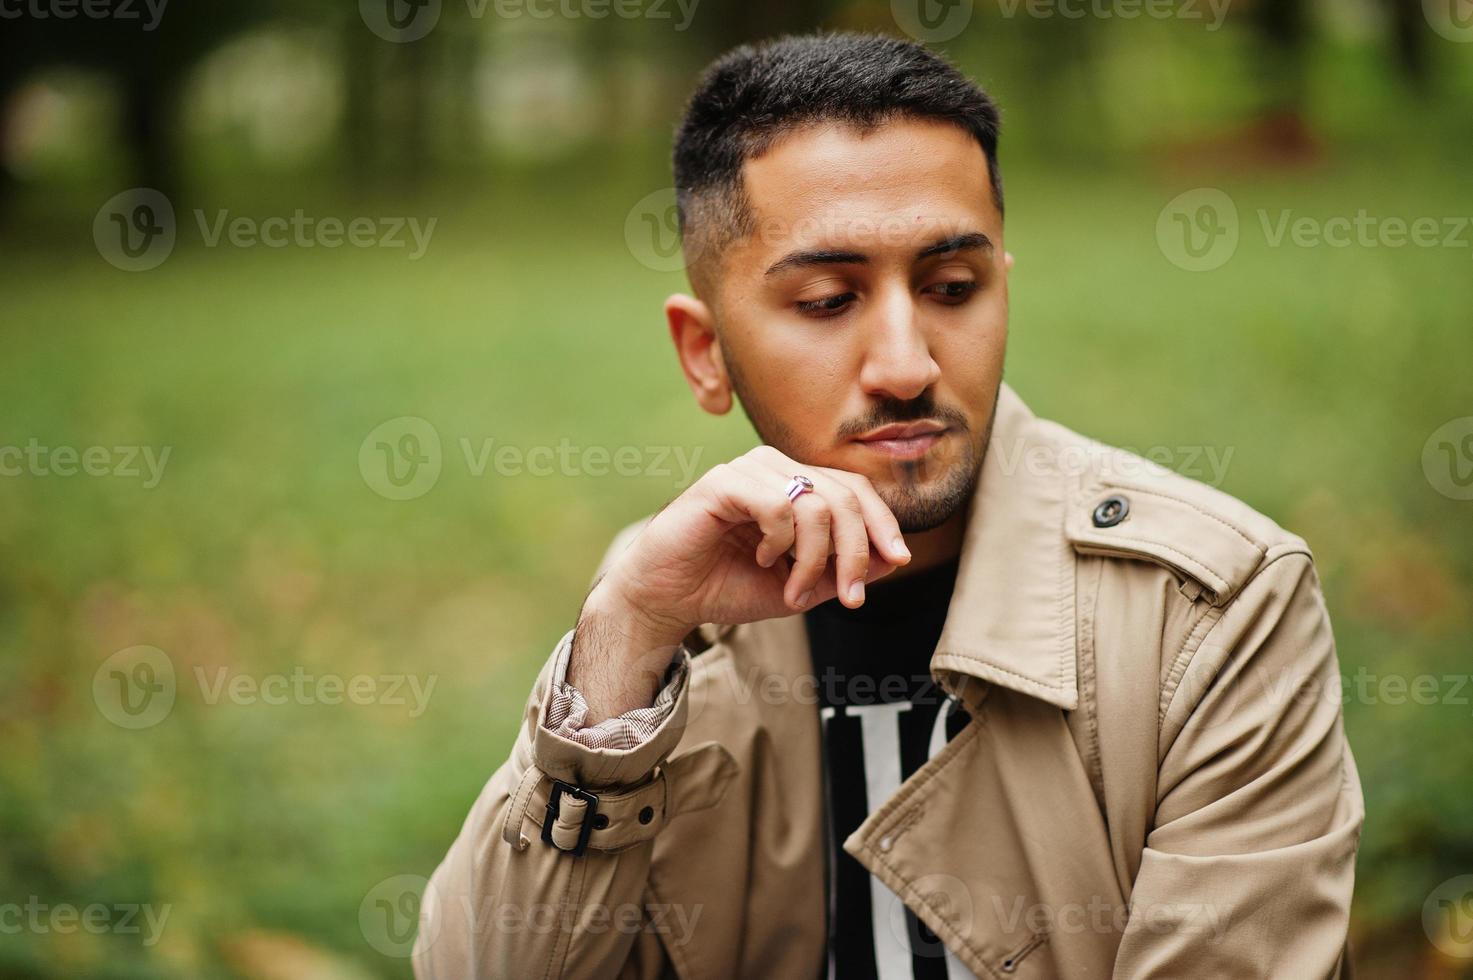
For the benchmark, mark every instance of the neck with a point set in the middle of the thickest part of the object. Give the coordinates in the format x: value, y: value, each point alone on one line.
x: 931, y: 548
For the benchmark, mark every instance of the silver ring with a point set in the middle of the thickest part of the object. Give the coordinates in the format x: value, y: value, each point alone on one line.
x: 799, y: 486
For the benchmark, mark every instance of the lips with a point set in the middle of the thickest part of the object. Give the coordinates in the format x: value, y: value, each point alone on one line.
x: 909, y: 430
x: 904, y: 442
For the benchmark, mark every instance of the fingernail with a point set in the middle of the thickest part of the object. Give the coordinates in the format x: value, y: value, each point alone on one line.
x: 856, y: 591
x: 803, y: 599
x: 899, y: 545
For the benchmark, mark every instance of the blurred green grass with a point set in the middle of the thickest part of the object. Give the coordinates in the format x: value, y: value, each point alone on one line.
x: 1322, y: 370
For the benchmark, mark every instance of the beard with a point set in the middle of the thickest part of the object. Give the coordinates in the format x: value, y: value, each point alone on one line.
x: 923, y: 493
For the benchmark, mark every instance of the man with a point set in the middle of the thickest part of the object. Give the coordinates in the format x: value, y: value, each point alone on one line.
x: 924, y: 686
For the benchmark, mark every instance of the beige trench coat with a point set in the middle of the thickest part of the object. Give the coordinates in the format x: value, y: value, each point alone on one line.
x: 1154, y: 783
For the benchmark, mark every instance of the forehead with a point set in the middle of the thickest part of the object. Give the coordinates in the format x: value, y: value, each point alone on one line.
x: 904, y: 182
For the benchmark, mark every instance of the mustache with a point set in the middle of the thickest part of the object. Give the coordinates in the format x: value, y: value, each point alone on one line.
x: 895, y: 411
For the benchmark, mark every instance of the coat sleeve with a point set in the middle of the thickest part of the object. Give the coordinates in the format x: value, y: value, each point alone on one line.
x: 504, y: 902
x: 1249, y: 866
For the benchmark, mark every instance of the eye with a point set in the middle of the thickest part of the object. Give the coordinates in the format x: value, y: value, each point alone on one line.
x: 828, y: 306
x: 953, y: 292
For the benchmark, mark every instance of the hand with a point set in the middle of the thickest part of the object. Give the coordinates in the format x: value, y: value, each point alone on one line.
x: 734, y: 549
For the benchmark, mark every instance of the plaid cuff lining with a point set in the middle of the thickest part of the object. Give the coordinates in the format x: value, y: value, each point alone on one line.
x: 567, y: 710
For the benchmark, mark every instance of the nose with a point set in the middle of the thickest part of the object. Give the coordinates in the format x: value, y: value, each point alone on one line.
x: 897, y: 359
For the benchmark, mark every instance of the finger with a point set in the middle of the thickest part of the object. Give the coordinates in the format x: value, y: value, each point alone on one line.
x: 828, y: 587
x: 777, y: 538
x: 851, y: 543
x: 884, y: 529
x: 812, y: 521
x: 744, y: 499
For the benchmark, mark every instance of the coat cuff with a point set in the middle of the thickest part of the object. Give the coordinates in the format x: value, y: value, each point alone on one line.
x: 566, y: 709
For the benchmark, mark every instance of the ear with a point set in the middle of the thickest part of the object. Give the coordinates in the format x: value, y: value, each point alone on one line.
x: 693, y: 329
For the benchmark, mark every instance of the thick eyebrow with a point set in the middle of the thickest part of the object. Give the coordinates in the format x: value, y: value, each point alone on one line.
x: 957, y: 243
x: 821, y: 256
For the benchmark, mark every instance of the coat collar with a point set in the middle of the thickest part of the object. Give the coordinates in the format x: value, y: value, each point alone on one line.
x: 1011, y: 618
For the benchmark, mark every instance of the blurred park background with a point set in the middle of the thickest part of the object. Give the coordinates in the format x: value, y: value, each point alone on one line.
x: 330, y: 656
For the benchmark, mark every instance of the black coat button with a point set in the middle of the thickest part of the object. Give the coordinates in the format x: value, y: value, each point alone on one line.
x: 1111, y: 511
x: 647, y: 814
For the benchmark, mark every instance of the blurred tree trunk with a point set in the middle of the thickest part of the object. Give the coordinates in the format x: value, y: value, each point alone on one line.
x: 360, y: 114
x: 1409, y: 36
x: 150, y: 103
x: 757, y: 20
x: 414, y: 112
x: 463, y: 54
x: 1283, y: 28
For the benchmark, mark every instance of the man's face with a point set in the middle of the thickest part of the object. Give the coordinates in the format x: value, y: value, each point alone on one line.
x: 872, y: 293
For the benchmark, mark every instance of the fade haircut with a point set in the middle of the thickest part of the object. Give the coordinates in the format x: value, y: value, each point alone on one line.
x: 754, y: 95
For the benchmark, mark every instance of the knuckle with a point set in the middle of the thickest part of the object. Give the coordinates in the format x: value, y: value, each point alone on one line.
x: 818, y: 515
x: 775, y: 518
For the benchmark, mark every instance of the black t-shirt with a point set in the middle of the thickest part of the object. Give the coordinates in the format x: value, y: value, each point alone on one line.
x: 883, y: 717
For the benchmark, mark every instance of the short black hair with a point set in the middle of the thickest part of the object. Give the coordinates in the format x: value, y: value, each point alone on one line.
x: 753, y: 95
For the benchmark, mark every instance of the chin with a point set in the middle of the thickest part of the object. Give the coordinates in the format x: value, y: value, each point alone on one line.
x: 925, y: 507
